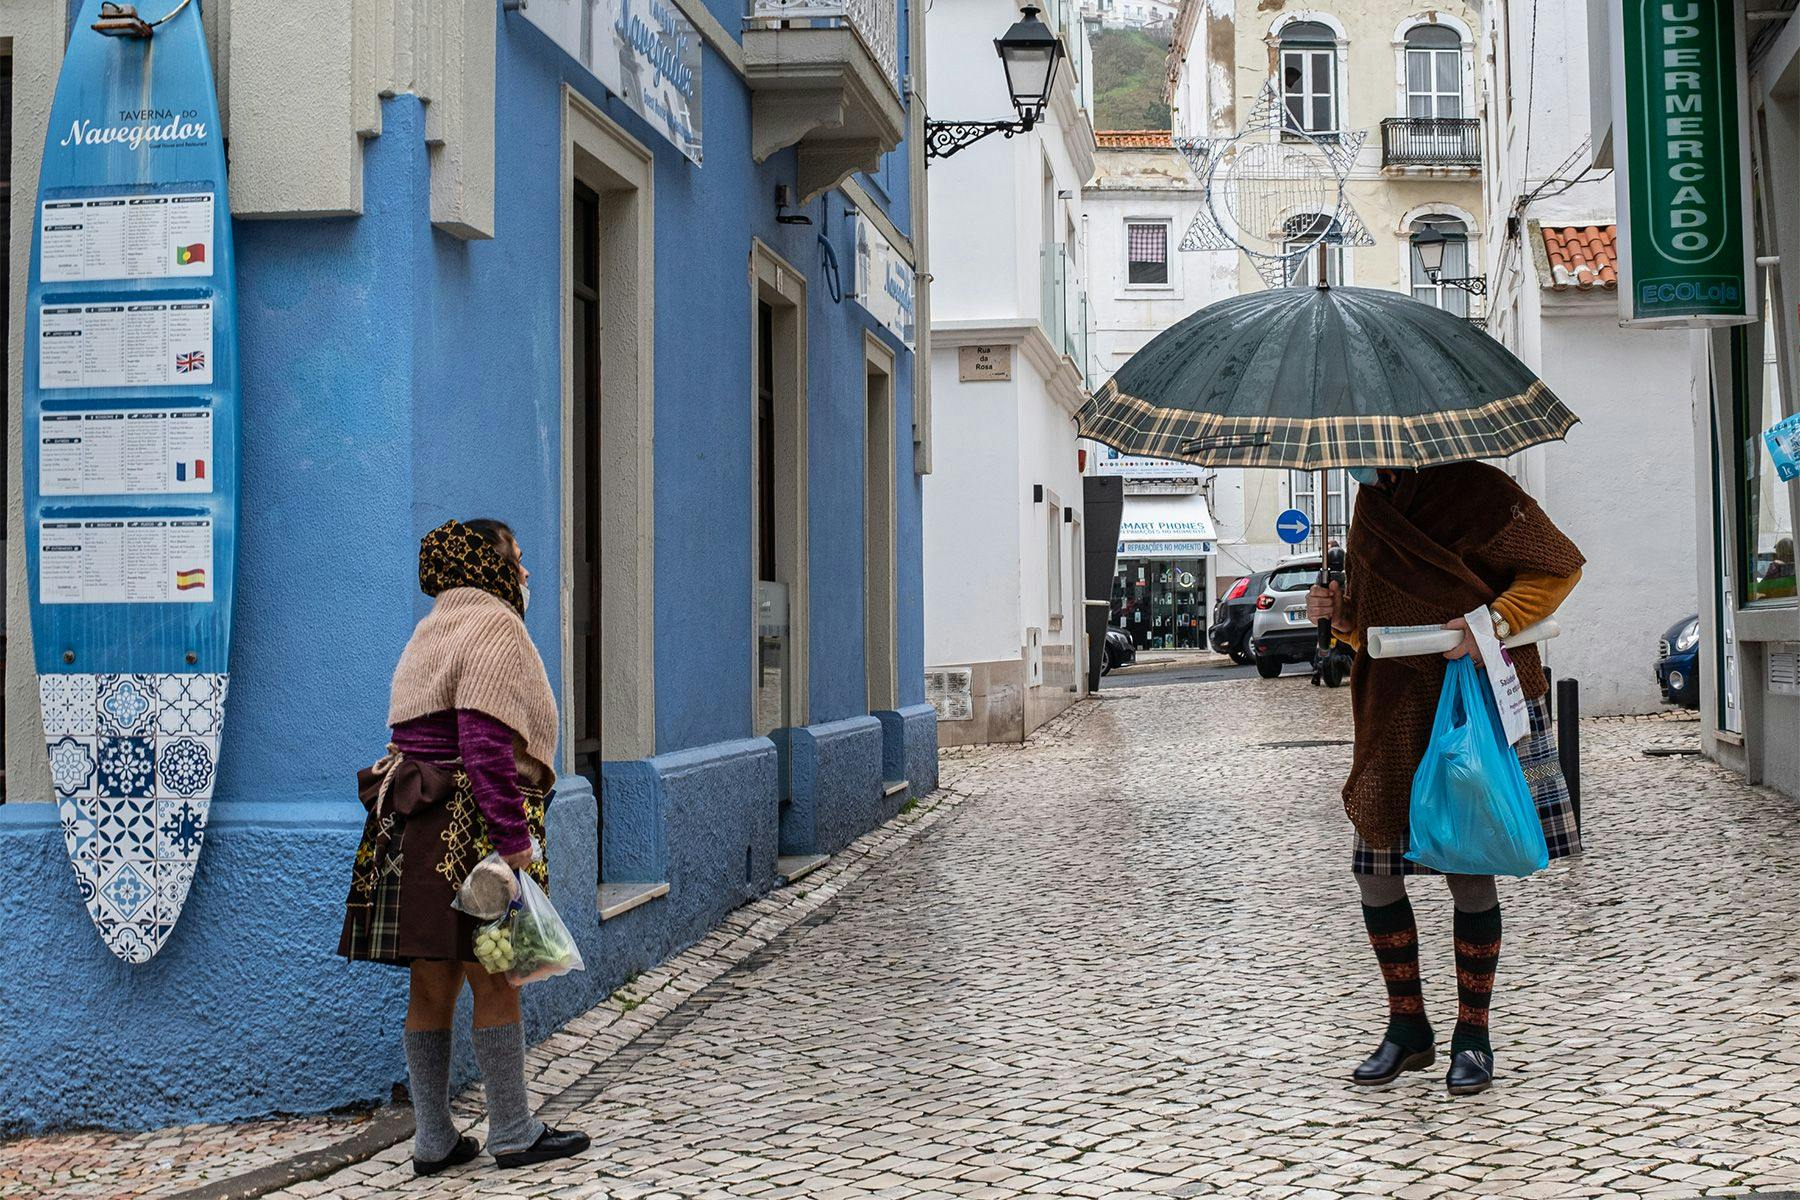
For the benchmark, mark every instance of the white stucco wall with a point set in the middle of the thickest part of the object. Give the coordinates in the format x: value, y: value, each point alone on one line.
x: 991, y: 214
x: 971, y: 541
x: 1622, y: 485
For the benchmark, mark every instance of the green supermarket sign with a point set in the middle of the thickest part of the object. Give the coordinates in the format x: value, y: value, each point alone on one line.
x: 1681, y: 163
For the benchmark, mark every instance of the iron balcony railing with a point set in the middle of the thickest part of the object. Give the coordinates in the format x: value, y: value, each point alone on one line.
x: 1431, y: 142
x: 876, y: 22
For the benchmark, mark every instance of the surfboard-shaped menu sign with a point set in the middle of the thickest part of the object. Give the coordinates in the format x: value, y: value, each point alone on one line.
x: 131, y: 461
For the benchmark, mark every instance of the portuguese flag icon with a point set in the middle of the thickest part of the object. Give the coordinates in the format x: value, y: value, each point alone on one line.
x: 188, y: 255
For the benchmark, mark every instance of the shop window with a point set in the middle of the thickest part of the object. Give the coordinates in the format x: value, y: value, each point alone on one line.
x: 1162, y: 602
x: 1433, y: 71
x: 1456, y: 265
x: 1767, y: 537
x: 1147, y: 253
x: 1053, y: 558
x: 1309, y: 82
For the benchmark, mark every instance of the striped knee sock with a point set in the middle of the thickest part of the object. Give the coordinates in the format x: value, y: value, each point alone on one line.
x: 1477, y: 956
x: 1396, y: 942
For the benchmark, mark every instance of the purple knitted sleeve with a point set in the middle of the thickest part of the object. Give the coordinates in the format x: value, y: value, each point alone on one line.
x: 487, y: 755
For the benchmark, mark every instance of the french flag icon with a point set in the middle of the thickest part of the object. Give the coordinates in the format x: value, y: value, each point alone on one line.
x: 185, y: 471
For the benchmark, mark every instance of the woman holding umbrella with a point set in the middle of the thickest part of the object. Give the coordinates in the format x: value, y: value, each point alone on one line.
x: 1407, y: 397
x: 1426, y: 546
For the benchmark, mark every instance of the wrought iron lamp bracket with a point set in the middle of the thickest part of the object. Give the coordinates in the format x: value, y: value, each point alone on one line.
x: 944, y: 138
x: 1475, y: 285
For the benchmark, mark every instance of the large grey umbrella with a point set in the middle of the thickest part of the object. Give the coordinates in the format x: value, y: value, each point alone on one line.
x: 1322, y: 377
x: 1317, y: 377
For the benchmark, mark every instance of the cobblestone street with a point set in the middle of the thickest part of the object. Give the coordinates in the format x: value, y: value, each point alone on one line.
x: 1127, y: 959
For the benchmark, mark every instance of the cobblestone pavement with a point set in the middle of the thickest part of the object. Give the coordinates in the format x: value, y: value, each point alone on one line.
x: 1126, y: 960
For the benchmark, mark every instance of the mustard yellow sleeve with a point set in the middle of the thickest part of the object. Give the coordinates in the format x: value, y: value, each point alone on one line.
x: 1347, y: 636
x: 1532, y: 597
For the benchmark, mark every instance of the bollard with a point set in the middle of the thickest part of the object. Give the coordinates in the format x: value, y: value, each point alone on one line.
x: 1550, y: 696
x: 1568, y: 740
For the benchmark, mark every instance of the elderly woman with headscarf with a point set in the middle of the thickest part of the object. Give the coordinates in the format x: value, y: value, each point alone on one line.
x: 1428, y: 547
x: 467, y: 774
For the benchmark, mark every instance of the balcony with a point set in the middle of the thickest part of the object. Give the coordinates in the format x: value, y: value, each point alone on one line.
x: 825, y: 77
x: 1452, y: 143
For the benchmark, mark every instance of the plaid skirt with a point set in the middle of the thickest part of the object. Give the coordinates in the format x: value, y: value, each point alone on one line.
x: 1543, y: 775
x: 386, y: 923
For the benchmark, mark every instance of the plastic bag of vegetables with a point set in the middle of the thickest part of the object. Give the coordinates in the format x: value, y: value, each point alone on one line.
x: 530, y: 942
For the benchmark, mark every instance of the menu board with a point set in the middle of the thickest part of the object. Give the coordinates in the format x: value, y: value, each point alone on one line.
x: 126, y: 237
x: 123, y: 452
x: 148, y: 344
x: 150, y: 560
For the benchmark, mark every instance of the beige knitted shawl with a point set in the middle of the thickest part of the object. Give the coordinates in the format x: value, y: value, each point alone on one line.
x: 472, y: 651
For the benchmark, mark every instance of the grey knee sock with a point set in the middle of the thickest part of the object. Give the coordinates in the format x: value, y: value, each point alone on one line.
x: 500, y: 1052
x: 1473, y: 893
x: 428, y: 1066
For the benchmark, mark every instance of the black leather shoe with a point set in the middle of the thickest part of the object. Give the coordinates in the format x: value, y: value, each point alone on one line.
x: 1471, y: 1071
x: 466, y: 1150
x: 551, y: 1144
x: 1390, y: 1061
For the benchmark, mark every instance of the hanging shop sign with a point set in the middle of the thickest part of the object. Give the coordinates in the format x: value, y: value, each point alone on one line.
x: 645, y: 52
x: 131, y: 464
x: 1681, y: 157
x: 884, y: 281
x: 1167, y: 527
x: 1133, y: 466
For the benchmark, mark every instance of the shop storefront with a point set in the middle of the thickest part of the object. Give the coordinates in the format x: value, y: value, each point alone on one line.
x: 1710, y: 207
x: 1162, y: 591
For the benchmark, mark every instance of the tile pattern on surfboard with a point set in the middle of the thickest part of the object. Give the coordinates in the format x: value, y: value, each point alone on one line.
x: 133, y: 759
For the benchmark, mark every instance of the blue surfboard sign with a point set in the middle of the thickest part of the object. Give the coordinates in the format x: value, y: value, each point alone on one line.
x: 131, y: 463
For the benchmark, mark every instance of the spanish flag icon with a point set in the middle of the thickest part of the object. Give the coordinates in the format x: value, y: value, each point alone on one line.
x: 188, y: 580
x: 188, y: 255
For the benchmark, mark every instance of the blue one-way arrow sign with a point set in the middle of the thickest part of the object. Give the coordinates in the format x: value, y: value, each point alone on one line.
x: 1293, y: 526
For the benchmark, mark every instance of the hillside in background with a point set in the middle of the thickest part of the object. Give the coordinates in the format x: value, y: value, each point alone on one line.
x: 1128, y: 79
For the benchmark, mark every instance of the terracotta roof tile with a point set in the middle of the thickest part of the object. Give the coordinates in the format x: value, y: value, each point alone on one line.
x: 1128, y: 139
x: 1582, y: 257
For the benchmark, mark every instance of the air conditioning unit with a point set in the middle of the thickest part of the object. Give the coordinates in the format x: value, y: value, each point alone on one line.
x: 1034, y: 656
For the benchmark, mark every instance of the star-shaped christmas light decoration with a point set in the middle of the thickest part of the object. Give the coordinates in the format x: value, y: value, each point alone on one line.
x: 1273, y: 191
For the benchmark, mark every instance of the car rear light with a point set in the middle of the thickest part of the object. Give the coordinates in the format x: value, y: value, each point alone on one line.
x: 1265, y: 602
x: 1238, y: 588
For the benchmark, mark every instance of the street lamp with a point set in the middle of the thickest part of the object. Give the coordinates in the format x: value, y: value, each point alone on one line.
x: 1429, y: 244
x: 1029, y: 53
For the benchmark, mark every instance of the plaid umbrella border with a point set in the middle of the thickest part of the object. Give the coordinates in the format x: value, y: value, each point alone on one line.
x: 1492, y: 430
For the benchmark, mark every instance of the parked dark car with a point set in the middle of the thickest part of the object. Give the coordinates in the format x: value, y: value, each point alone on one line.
x: 1232, y: 618
x: 1119, y: 651
x: 1678, y: 663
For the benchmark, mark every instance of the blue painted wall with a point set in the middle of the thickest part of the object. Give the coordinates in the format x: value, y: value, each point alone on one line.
x: 395, y: 376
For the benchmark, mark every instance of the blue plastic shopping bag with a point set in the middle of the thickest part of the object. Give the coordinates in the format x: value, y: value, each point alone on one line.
x: 1472, y: 812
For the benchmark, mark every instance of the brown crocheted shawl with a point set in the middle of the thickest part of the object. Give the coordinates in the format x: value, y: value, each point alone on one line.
x: 1432, y: 546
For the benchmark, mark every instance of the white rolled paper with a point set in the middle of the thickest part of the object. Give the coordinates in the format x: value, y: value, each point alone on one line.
x: 1402, y: 641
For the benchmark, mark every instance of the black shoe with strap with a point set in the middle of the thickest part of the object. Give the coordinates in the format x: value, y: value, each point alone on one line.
x: 551, y: 1144
x: 1471, y: 1072
x: 1390, y: 1061
x: 465, y: 1151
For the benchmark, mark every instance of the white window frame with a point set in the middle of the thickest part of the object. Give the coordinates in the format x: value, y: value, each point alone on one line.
x: 1409, y: 224
x: 1307, y: 94
x: 1168, y: 227
x: 1300, y: 270
x: 1466, y: 47
x: 1054, y: 559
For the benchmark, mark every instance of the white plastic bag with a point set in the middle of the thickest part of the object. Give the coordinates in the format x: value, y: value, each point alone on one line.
x: 530, y: 942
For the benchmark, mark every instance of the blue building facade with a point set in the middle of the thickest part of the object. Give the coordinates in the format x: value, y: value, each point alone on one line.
x: 395, y: 375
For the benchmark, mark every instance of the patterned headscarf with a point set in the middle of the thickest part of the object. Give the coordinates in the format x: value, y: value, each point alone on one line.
x: 453, y: 556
